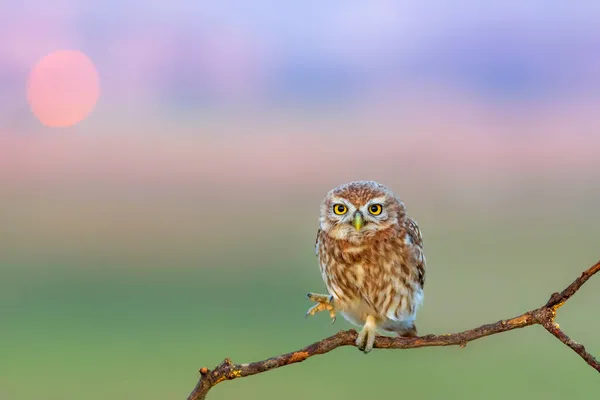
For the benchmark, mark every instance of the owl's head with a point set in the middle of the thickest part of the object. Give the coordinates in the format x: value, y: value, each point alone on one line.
x: 359, y: 210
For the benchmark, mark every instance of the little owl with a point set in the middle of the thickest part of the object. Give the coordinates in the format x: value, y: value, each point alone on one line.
x: 371, y: 258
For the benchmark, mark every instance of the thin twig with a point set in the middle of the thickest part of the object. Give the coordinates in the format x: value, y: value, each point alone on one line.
x: 541, y: 316
x: 553, y: 328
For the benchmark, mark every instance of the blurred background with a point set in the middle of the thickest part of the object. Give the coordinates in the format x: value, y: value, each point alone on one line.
x: 162, y: 166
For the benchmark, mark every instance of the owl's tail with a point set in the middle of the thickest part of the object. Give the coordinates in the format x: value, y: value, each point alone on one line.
x: 410, y: 331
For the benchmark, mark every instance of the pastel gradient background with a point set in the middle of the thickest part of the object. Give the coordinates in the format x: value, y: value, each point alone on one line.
x: 174, y: 224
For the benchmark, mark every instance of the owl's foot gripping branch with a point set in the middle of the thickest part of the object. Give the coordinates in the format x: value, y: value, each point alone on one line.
x: 540, y: 316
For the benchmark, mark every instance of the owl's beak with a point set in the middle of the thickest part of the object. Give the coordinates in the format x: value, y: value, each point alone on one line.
x: 358, y: 221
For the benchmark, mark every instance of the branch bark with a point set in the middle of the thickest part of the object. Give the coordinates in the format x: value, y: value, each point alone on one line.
x: 540, y: 316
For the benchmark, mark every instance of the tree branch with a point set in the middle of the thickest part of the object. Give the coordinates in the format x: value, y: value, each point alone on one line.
x: 541, y: 316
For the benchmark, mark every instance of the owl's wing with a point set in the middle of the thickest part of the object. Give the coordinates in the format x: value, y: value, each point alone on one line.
x: 413, y: 231
x: 317, y: 242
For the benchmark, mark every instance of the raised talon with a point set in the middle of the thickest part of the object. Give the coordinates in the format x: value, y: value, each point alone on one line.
x: 324, y: 303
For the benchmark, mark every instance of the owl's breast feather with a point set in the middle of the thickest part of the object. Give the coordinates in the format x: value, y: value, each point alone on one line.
x: 377, y: 278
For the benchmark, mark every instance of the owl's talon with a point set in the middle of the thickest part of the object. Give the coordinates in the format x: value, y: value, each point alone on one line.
x: 366, y: 337
x: 324, y: 303
x: 320, y: 298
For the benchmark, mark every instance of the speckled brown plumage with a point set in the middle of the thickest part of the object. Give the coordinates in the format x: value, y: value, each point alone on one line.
x: 372, y: 264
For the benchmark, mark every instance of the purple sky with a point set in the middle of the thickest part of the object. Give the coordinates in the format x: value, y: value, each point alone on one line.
x: 194, y: 54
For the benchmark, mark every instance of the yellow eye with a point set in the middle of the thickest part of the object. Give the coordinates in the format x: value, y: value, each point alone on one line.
x: 340, y: 209
x: 375, y: 209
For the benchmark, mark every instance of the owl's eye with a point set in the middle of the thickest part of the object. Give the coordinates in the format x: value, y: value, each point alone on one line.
x: 375, y: 209
x: 340, y: 209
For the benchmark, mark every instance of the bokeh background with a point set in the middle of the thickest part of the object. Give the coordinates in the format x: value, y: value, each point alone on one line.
x: 158, y: 205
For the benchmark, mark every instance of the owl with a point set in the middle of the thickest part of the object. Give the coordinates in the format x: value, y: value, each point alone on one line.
x: 370, y: 253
